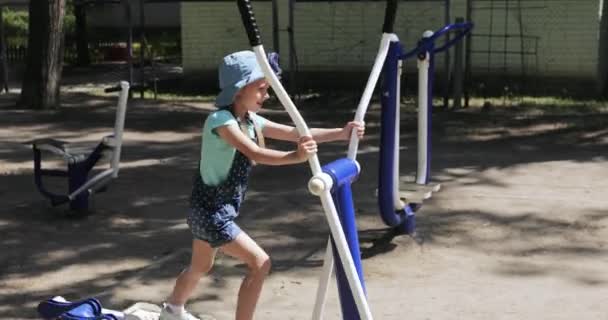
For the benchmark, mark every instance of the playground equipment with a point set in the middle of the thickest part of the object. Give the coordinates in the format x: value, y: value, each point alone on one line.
x: 81, y: 160
x: 91, y: 309
x: 331, y: 183
x: 399, y: 201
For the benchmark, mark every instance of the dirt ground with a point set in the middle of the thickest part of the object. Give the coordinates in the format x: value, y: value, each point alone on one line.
x: 518, y: 231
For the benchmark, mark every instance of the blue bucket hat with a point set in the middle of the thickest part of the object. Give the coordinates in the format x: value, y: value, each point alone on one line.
x: 238, y: 70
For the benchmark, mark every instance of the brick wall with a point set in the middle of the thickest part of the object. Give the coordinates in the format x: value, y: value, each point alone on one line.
x: 561, y: 36
x: 115, y: 15
x: 212, y: 30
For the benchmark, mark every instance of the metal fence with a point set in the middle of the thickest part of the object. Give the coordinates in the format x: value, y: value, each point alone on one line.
x: 101, y: 51
x: 16, y: 53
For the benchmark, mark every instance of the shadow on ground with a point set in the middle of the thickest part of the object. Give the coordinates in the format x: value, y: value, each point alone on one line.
x: 140, y: 219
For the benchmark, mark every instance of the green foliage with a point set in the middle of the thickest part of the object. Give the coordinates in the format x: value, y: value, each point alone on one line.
x: 542, y: 104
x: 164, y: 43
x: 69, y: 20
x: 15, y: 26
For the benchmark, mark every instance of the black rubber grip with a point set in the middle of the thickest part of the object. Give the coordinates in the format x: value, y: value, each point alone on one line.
x: 389, y: 16
x: 119, y: 88
x: 251, y: 26
x: 113, y: 89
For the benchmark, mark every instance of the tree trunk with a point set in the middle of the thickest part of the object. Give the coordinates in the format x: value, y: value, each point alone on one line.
x: 603, y: 52
x: 82, y: 43
x: 44, y: 62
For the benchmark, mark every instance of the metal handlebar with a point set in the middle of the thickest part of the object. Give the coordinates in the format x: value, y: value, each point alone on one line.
x: 425, y: 44
x: 251, y: 26
x: 389, y: 16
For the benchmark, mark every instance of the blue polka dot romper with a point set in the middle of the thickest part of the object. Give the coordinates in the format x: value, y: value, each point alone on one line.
x: 214, y: 208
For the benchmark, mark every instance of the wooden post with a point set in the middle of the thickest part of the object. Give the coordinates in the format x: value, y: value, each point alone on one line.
x: 3, y: 55
x: 446, y: 61
x: 292, y: 53
x: 83, y: 57
x: 142, y: 47
x: 603, y: 52
x: 129, y: 17
x: 457, y: 74
x: 467, y: 57
x: 275, y: 26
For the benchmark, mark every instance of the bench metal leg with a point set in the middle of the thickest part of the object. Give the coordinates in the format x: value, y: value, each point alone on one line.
x: 77, y: 176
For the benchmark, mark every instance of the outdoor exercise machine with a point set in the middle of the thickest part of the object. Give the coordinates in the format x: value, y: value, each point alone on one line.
x: 80, y: 160
x: 331, y: 183
x: 398, y: 201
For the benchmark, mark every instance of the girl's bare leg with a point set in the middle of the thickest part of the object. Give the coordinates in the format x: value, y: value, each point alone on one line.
x: 258, y: 262
x: 203, y: 256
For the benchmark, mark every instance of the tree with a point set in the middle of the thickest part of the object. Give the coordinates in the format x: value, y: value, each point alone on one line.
x: 44, y: 62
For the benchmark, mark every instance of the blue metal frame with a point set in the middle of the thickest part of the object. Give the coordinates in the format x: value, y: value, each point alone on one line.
x: 77, y: 174
x: 430, y: 49
x: 343, y: 172
x: 405, y: 219
x: 428, y: 44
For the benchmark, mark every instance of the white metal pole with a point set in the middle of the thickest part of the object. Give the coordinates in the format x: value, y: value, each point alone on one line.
x: 328, y: 267
x: 287, y: 103
x: 91, y: 182
x: 119, y: 125
x: 396, y: 198
x: 385, y: 42
x: 345, y: 257
x: 423, y: 78
x: 320, y: 185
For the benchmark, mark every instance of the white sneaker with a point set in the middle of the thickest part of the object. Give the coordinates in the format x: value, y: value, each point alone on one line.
x: 167, y: 314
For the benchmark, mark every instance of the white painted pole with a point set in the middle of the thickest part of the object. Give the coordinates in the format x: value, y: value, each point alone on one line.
x: 385, y: 42
x: 93, y: 182
x: 423, y: 78
x: 345, y: 257
x: 328, y: 267
x: 320, y: 185
x: 396, y: 197
x: 287, y: 103
x: 102, y: 178
x: 119, y: 125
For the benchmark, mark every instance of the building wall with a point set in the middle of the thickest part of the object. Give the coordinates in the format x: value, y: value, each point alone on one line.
x: 328, y: 35
x: 212, y: 30
x: 114, y: 15
x: 560, y: 36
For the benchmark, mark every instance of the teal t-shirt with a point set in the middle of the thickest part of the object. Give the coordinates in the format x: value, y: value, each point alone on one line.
x: 216, y: 154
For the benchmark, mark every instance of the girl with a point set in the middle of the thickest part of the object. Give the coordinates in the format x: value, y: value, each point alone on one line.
x: 232, y: 142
